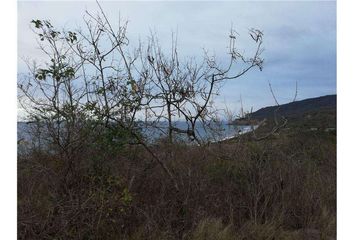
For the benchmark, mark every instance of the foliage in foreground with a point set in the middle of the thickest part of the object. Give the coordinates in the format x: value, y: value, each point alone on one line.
x: 281, y: 188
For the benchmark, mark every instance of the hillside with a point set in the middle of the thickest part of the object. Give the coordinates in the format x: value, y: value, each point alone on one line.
x: 313, y: 112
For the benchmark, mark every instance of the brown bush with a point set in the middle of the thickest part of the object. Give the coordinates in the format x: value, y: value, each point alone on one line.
x: 271, y: 189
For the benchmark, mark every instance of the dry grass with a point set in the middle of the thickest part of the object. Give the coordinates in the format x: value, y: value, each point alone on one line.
x: 280, y: 188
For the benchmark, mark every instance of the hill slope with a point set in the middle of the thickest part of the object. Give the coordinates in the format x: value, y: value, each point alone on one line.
x: 312, y: 112
x: 297, y: 108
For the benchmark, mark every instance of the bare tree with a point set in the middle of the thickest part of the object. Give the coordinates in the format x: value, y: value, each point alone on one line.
x: 185, y: 91
x: 94, y: 80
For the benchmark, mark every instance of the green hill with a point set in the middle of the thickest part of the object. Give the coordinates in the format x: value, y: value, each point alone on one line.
x: 317, y: 112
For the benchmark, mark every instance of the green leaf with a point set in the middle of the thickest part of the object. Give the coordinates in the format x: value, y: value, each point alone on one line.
x: 37, y: 23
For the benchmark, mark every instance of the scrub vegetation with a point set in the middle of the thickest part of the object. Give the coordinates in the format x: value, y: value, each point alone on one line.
x: 89, y: 172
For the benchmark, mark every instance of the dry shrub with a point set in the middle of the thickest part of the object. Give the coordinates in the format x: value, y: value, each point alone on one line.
x: 280, y: 188
x: 212, y: 229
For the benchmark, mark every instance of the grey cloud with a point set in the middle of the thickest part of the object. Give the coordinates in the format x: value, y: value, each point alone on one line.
x: 299, y: 38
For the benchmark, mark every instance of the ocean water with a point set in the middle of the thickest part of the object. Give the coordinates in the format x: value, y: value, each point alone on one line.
x: 213, y: 132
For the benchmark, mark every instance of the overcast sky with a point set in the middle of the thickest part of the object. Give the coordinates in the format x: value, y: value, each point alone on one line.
x: 299, y: 39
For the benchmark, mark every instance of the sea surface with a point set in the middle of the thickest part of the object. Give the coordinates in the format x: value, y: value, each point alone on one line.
x: 210, y: 132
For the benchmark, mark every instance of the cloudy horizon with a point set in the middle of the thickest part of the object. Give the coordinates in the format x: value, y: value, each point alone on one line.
x: 299, y: 40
